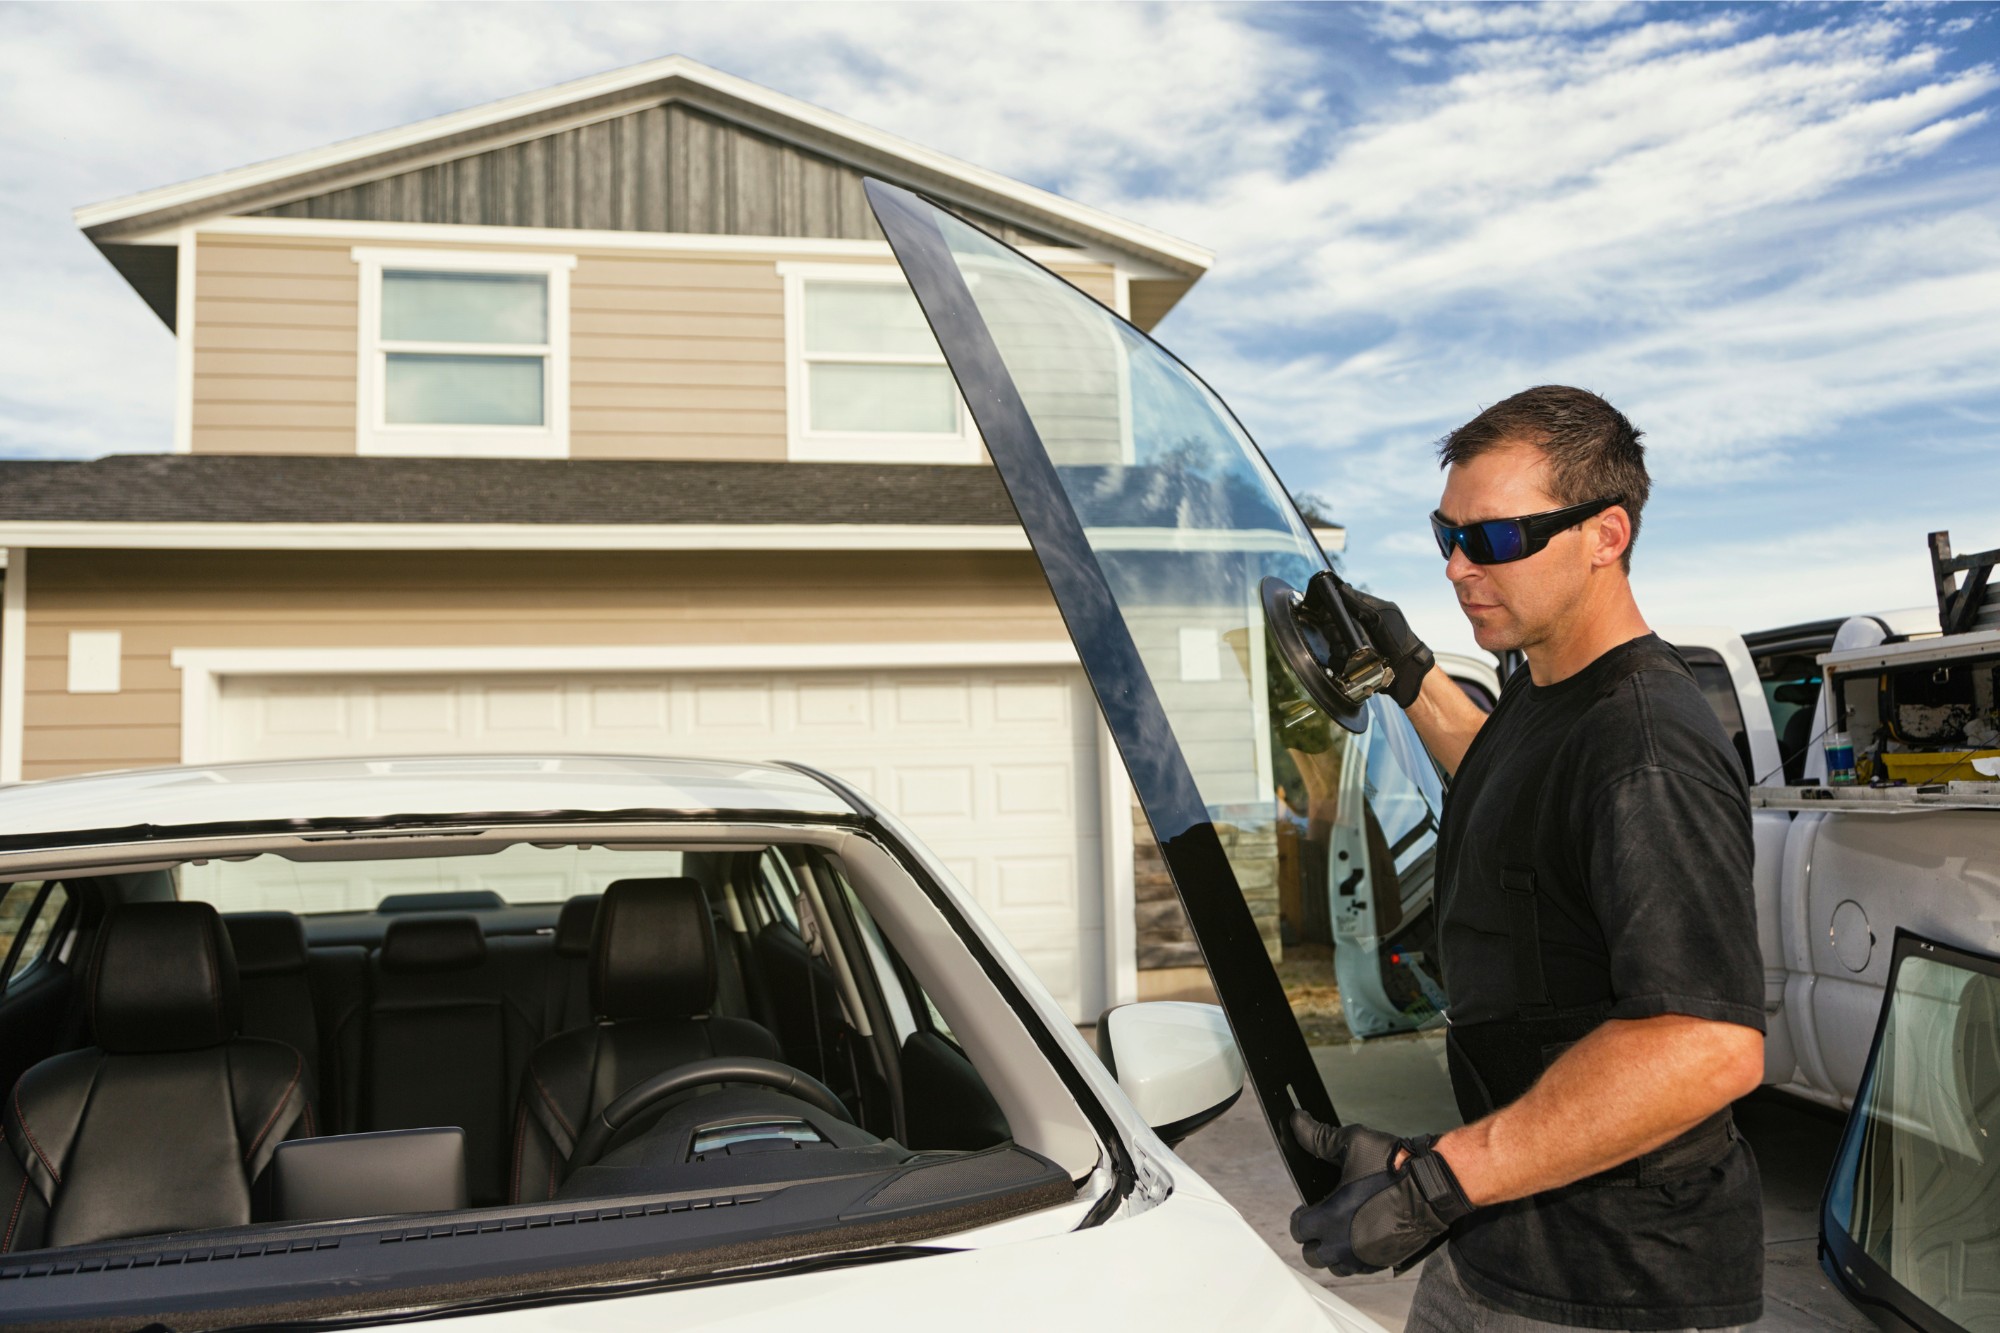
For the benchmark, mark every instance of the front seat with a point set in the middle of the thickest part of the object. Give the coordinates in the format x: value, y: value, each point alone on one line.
x: 652, y: 986
x: 165, y: 1123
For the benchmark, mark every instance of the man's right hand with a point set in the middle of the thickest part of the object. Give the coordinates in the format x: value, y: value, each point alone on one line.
x: 1406, y: 654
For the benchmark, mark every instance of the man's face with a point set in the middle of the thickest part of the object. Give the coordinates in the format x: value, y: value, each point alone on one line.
x: 1514, y: 605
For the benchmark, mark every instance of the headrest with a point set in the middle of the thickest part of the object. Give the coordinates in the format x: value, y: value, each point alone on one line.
x: 163, y: 979
x: 575, y: 926
x: 653, y: 953
x: 267, y: 944
x: 432, y: 944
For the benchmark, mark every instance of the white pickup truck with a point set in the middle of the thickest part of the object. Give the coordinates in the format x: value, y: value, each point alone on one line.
x: 1841, y: 869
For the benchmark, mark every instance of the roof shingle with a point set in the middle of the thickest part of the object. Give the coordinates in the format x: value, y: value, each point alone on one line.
x: 242, y: 488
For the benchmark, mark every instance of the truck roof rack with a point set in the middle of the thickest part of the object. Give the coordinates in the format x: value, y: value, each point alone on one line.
x: 1972, y: 605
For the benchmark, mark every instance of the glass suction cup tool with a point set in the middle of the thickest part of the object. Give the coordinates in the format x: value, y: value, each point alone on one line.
x: 1328, y: 653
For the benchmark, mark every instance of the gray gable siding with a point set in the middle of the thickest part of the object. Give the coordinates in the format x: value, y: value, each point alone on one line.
x: 664, y: 169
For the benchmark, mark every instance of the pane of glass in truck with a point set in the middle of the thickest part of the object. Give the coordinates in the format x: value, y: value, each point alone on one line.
x: 1301, y: 851
x: 1912, y: 1213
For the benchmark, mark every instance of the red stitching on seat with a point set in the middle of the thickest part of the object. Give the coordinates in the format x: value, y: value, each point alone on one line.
x: 283, y: 1097
x: 7, y: 1242
x: 520, y: 1143
x: 561, y: 1119
x: 31, y: 1135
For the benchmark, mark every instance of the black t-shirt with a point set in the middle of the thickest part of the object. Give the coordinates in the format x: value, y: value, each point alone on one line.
x: 1642, y: 863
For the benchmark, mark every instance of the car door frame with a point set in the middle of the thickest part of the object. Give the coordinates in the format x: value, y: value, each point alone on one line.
x: 1276, y: 1058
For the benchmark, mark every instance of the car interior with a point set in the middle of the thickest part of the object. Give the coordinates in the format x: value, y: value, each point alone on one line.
x: 264, y: 1041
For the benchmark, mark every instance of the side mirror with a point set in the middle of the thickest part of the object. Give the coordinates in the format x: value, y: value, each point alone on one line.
x: 1178, y: 1063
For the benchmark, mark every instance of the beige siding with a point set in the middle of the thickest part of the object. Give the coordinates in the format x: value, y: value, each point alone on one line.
x: 672, y: 355
x: 677, y: 357
x: 274, y: 346
x: 161, y: 601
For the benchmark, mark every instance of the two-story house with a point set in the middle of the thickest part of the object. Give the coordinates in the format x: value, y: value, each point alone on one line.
x: 598, y: 419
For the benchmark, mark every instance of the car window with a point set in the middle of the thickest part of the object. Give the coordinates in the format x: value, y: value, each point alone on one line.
x: 778, y: 890
x: 1718, y: 687
x: 521, y: 873
x: 895, y: 983
x: 1912, y: 1208
x: 29, y: 913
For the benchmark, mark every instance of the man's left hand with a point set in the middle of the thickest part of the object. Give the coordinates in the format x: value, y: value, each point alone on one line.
x: 1384, y: 1213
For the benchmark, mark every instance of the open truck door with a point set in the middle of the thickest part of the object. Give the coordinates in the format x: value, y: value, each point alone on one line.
x: 1910, y: 1223
x: 1284, y: 797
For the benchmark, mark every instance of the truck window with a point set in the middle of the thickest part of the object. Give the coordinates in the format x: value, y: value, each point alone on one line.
x: 1719, y: 688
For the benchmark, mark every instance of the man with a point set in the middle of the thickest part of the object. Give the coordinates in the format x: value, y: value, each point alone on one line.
x: 1597, y: 935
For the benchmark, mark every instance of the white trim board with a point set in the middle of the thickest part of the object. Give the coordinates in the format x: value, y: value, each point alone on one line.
x: 13, y: 666
x: 515, y: 536
x: 184, y: 279
x: 693, y: 243
x: 617, y: 92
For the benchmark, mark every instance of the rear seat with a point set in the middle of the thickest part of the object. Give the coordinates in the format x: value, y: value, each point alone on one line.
x: 566, y: 997
x: 434, y: 1026
x: 271, y: 963
x: 312, y: 1000
x: 448, y: 1035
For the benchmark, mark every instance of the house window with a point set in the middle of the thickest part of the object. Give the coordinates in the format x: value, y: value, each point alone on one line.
x: 865, y: 379
x: 464, y: 353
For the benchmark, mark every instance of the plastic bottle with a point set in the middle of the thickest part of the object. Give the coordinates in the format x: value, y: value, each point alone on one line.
x: 1839, y: 759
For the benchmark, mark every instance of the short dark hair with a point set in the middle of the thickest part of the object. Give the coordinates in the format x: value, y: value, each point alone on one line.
x: 1593, y: 451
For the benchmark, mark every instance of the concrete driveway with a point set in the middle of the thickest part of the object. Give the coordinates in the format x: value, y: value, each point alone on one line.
x: 1400, y: 1084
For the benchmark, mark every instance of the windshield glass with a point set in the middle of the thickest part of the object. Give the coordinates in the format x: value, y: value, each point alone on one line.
x: 1330, y: 835
x: 517, y: 874
x: 1916, y: 1185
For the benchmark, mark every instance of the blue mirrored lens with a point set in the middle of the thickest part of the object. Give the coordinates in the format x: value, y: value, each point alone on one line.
x: 1505, y: 538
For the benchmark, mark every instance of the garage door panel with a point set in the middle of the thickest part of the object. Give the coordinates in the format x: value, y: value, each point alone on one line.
x: 745, y: 709
x: 626, y: 708
x: 1046, y: 700
x: 527, y: 714
x: 834, y: 708
x: 940, y: 704
x: 997, y: 770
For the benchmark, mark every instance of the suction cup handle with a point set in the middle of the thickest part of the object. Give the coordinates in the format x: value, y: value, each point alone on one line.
x: 1323, y: 597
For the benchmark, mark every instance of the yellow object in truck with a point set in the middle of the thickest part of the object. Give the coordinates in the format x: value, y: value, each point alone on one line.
x: 1938, y: 766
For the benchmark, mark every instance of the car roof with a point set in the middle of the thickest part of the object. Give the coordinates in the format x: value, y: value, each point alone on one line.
x: 414, y: 786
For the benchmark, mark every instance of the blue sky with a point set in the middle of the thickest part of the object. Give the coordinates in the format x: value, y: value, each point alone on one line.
x: 1771, y: 234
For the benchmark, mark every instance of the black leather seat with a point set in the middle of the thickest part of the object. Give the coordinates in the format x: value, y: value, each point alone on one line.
x: 449, y: 1028
x: 167, y: 1122
x: 276, y: 995
x: 566, y: 998
x: 652, y: 987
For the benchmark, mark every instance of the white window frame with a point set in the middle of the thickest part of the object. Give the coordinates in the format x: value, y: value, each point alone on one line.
x: 375, y: 435
x: 803, y: 444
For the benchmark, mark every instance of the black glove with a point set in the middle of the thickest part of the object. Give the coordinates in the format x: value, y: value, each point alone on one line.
x: 1406, y: 654
x: 1354, y: 1150
x: 1378, y: 1216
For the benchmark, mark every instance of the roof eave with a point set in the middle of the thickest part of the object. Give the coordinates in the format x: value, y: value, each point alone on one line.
x: 600, y: 96
x: 95, y: 534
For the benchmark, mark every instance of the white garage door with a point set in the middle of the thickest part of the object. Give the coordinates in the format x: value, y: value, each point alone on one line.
x: 997, y: 770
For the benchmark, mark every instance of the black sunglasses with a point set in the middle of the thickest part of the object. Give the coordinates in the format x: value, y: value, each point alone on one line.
x: 1498, y: 541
